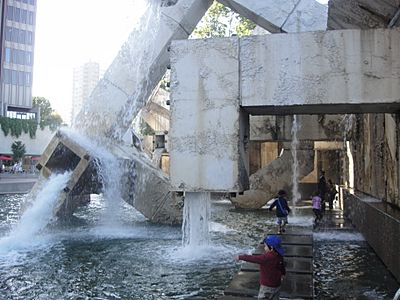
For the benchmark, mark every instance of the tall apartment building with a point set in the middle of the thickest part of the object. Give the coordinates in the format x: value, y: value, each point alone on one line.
x: 85, y: 78
x: 17, y: 37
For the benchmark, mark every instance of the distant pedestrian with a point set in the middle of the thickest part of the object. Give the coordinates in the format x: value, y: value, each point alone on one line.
x: 322, y: 188
x: 272, y: 267
x: 316, y: 207
x: 331, y: 193
x: 282, y: 210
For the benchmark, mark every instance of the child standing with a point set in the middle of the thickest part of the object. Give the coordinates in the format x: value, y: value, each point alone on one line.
x: 317, y: 207
x: 272, y: 267
x: 282, y: 210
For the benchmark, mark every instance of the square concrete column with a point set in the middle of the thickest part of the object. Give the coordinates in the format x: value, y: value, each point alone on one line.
x: 206, y: 124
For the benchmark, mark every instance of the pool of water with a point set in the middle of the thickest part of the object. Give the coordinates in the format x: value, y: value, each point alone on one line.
x: 133, y: 259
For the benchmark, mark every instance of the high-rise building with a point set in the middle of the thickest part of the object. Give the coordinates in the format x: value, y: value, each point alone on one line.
x: 85, y: 78
x: 17, y: 37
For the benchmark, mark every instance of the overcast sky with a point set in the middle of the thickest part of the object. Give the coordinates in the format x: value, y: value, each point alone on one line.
x: 70, y: 33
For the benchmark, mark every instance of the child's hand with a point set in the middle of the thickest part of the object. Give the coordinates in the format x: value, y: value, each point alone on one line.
x: 237, y: 258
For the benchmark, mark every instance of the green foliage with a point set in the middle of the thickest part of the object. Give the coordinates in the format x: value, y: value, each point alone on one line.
x: 18, y: 150
x: 16, y: 127
x: 221, y: 21
x: 48, y: 117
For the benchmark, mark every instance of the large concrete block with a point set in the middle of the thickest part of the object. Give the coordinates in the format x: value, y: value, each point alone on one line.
x: 321, y: 72
x: 205, y: 120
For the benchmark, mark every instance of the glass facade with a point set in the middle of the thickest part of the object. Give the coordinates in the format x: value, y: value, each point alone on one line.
x: 18, y: 19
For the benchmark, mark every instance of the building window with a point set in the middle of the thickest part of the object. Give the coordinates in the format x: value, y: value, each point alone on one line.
x: 23, y: 16
x: 21, y: 36
x: 28, y: 58
x: 7, y: 76
x: 32, y: 2
x: 28, y: 81
x: 8, y: 55
x: 15, y: 56
x: 8, y: 33
x: 30, y: 17
x: 14, y: 77
x: 10, y: 13
x: 21, y: 57
x: 17, y: 14
x: 21, y: 78
x: 15, y: 35
x: 29, y: 37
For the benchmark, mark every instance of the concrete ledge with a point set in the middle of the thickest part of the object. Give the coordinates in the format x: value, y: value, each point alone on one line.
x: 379, y: 225
x: 16, y: 187
x: 246, y: 284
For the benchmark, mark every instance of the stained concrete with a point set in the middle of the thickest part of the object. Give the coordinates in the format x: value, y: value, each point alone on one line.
x: 351, y: 14
x: 341, y: 71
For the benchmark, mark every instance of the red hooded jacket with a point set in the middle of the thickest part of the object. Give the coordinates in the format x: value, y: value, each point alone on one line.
x: 272, y: 267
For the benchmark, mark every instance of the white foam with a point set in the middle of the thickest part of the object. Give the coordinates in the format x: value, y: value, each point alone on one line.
x: 218, y: 227
x: 28, y: 232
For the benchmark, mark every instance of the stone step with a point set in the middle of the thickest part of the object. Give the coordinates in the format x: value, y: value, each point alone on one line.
x: 246, y: 284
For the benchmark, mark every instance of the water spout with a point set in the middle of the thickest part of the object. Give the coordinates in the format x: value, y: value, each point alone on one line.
x: 196, y: 215
x: 295, y: 169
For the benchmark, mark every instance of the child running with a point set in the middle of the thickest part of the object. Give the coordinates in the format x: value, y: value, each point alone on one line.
x: 282, y: 210
x: 272, y: 267
x: 317, y: 207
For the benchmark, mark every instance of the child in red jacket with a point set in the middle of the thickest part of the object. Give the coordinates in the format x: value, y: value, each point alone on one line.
x: 272, y: 268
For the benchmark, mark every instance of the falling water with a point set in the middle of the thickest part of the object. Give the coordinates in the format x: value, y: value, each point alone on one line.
x: 295, y: 177
x: 347, y: 125
x: 38, y: 216
x: 196, y: 215
x: 109, y: 171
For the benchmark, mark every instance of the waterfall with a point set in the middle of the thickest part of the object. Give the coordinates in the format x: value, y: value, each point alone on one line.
x: 196, y: 214
x: 38, y: 215
x: 295, y: 168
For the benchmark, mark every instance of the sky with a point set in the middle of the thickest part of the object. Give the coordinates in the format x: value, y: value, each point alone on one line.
x: 72, y: 32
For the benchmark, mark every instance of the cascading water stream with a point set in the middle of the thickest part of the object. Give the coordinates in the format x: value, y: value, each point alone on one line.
x: 295, y: 168
x: 38, y: 215
x: 196, y: 215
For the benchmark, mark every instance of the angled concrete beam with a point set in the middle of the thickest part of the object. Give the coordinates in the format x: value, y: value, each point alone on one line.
x: 284, y: 15
x: 137, y: 69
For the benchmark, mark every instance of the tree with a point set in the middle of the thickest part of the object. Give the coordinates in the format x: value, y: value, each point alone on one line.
x: 48, y: 117
x: 221, y: 21
x: 18, y: 150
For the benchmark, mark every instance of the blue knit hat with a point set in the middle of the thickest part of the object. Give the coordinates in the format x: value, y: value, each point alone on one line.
x: 274, y: 241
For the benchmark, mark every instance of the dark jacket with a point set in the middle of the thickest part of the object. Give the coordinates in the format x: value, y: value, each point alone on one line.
x: 282, y: 208
x: 272, y: 267
x: 322, y: 185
